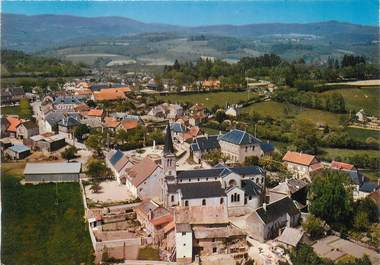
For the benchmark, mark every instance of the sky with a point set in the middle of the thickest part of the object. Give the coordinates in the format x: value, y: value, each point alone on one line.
x: 195, y: 13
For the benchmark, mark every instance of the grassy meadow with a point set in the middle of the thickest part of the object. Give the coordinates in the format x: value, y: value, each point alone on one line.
x: 210, y: 99
x: 367, y: 98
x: 37, y: 230
x: 278, y: 110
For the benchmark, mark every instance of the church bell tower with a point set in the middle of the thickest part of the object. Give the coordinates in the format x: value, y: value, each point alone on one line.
x: 168, y: 158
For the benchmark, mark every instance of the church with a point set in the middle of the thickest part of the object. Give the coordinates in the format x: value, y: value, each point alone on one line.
x: 217, y: 186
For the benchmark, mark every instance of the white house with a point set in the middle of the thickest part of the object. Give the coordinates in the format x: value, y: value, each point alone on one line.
x: 301, y: 164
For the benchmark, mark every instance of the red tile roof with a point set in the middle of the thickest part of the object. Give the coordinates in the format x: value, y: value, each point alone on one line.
x: 141, y: 171
x: 341, y: 165
x: 299, y: 158
x: 129, y: 124
x: 162, y: 220
x: 108, y: 95
x: 110, y: 122
x: 193, y: 132
x: 13, y: 124
x: 95, y: 112
x: 116, y: 90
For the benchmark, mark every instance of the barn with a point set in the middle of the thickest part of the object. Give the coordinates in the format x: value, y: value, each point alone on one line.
x: 52, y: 172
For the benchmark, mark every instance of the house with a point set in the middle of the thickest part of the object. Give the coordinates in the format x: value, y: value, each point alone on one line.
x: 300, y: 164
x: 52, y: 120
x: 206, y: 231
x: 184, y: 243
x: 143, y: 179
x: 68, y: 125
x: 111, y: 123
x: 209, y: 84
x: 46, y: 142
x: 233, y: 111
x: 108, y: 95
x: 97, y: 114
x: 129, y: 124
x: 267, y: 221
x: 52, y: 172
x: 191, y: 133
x: 18, y: 151
x: 119, y: 163
x: 66, y: 103
x: 202, y: 145
x: 26, y: 130
x: 153, y: 218
x: 296, y: 189
x: 178, y: 131
x: 237, y: 145
x: 12, y: 95
x: 13, y: 122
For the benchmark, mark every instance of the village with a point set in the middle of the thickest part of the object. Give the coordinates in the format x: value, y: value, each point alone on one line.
x: 156, y: 185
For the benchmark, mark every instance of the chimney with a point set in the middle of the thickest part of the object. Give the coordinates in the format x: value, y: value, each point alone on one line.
x: 265, y: 206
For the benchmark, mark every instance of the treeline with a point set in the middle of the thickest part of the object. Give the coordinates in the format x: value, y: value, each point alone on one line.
x: 17, y: 63
x: 333, y: 102
x: 308, y: 77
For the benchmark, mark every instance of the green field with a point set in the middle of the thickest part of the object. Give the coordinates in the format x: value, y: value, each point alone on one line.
x: 363, y: 134
x: 367, y: 98
x: 37, y: 230
x: 148, y: 253
x: 278, y: 110
x: 332, y: 153
x: 210, y: 99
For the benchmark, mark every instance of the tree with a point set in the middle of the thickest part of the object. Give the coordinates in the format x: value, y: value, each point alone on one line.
x: 80, y: 131
x: 361, y: 222
x: 220, y: 116
x: 69, y: 153
x: 25, y: 110
x: 251, y: 161
x: 97, y: 170
x: 313, y: 226
x: 95, y: 142
x: 330, y: 198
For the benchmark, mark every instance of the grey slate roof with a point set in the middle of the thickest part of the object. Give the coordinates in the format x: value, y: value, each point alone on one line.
x: 52, y: 168
x: 277, y: 209
x: 203, y: 143
x: 66, y: 100
x: 251, y: 188
x: 239, y: 137
x: 69, y: 121
x: 368, y: 187
x: 54, y: 117
x: 30, y: 125
x: 267, y: 147
x: 198, y: 189
x: 218, y: 171
x: 177, y: 127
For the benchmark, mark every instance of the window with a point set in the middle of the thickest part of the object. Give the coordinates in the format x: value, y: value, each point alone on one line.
x: 250, y: 197
x: 213, y: 240
x: 214, y: 250
x: 246, y: 149
x: 199, y: 179
x: 232, y: 198
x: 189, y: 180
x: 186, y: 203
x: 204, y: 202
x: 238, y: 197
x: 184, y: 244
x: 262, y: 180
x: 172, y: 198
x: 183, y: 233
x: 221, y: 200
x: 257, y: 180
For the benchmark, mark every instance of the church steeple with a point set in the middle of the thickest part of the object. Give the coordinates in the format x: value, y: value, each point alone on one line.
x: 168, y: 158
x: 168, y: 148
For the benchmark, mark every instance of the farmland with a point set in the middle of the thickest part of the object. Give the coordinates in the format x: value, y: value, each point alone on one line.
x: 210, y: 99
x: 42, y: 224
x: 277, y: 110
x: 367, y: 98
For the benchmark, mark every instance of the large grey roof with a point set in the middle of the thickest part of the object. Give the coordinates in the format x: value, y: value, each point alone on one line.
x: 277, y: 209
x: 198, y: 189
x: 205, y: 143
x: 66, y: 100
x: 52, y: 168
x: 239, y: 137
x: 19, y: 148
x: 251, y: 188
x: 219, y: 171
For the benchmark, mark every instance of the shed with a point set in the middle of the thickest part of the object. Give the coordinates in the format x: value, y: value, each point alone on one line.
x: 18, y: 151
x: 52, y: 172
